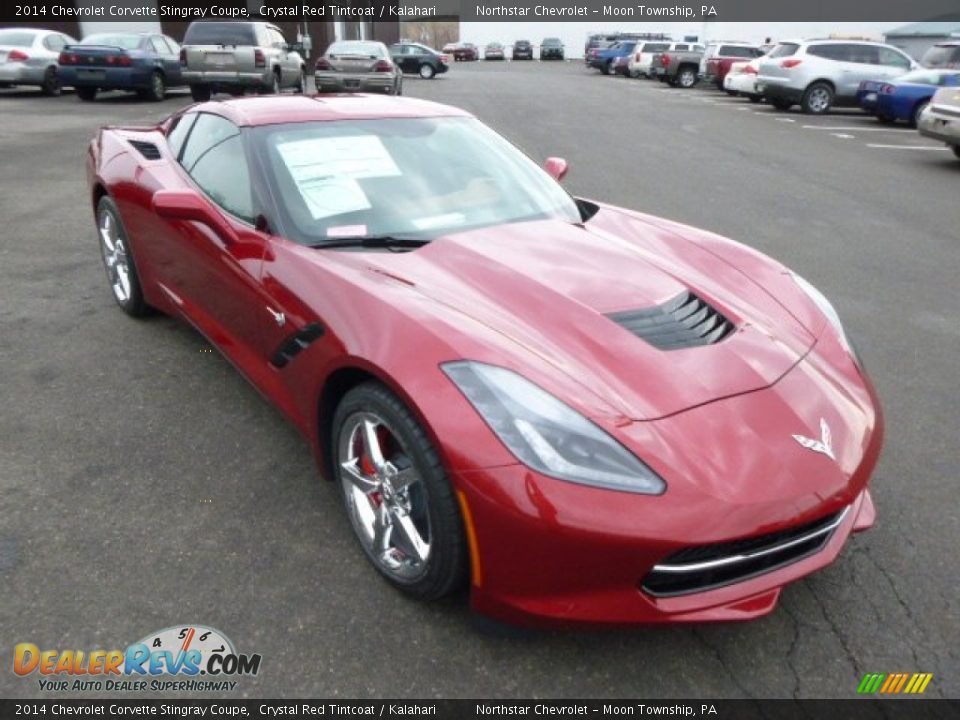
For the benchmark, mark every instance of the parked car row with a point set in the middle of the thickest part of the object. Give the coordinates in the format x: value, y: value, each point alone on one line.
x: 817, y: 75
x: 549, y: 49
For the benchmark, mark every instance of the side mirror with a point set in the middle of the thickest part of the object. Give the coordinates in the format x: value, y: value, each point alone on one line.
x: 190, y: 205
x: 556, y: 168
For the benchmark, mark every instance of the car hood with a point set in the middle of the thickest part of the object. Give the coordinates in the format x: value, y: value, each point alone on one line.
x: 550, y: 287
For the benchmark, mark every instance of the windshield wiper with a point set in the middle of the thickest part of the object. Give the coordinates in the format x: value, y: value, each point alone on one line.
x: 373, y: 241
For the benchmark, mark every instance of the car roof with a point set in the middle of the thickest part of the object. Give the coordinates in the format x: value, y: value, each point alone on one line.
x: 274, y: 109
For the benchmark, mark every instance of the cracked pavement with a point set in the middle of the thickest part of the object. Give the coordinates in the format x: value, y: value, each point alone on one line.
x: 144, y: 484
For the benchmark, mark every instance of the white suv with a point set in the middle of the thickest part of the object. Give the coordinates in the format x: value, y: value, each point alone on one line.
x: 819, y: 74
x: 642, y: 55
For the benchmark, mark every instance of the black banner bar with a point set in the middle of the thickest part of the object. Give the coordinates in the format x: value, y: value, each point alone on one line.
x: 858, y: 709
x: 594, y: 12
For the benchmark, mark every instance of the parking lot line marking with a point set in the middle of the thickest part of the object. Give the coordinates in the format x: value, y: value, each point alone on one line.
x: 908, y: 147
x: 857, y: 129
x: 842, y: 135
x: 785, y: 120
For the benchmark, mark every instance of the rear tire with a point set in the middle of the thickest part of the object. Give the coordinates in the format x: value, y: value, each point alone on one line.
x: 607, y: 67
x: 817, y: 99
x: 426, y: 71
x: 301, y: 87
x: 51, y: 83
x: 956, y: 151
x: 780, y: 104
x: 754, y: 98
x: 687, y: 78
x: 87, y: 94
x: 118, y: 260
x: 200, y: 93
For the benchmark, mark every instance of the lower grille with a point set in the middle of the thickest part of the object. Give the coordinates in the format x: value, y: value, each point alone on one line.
x: 697, y: 569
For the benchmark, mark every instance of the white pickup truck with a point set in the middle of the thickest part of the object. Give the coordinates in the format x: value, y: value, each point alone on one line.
x: 237, y: 56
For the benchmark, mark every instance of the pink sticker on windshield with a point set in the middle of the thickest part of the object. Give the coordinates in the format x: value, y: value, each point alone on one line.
x: 346, y: 231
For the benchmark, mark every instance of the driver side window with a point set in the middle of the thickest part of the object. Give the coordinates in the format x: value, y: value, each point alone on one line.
x: 214, y: 157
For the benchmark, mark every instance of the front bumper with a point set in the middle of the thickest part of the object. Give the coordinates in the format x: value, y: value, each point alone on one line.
x: 552, y: 553
x: 344, y: 82
x: 940, y: 125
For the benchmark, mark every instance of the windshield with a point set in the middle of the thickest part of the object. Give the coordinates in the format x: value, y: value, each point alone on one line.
x: 16, y: 38
x: 403, y: 177
x: 127, y: 42
x: 784, y: 50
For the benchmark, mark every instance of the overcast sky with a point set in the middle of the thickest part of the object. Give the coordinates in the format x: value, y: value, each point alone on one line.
x: 574, y: 34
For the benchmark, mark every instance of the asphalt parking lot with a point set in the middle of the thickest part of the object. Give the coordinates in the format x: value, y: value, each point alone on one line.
x: 145, y: 484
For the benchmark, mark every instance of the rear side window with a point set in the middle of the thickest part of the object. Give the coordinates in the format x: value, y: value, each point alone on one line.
x: 830, y: 52
x: 159, y: 46
x: 220, y: 33
x: 215, y: 159
x: 737, y: 51
x: 658, y: 47
x: 125, y: 42
x: 678, y: 47
x: 56, y: 43
x: 941, y: 56
x: 179, y: 133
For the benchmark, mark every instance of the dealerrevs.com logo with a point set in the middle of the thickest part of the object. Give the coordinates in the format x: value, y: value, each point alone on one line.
x: 181, y: 658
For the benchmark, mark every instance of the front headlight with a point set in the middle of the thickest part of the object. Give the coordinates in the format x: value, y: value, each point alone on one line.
x: 547, y: 435
x: 826, y: 307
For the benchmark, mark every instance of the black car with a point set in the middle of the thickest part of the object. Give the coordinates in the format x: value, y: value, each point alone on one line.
x: 551, y: 49
x: 523, y: 50
x: 419, y: 59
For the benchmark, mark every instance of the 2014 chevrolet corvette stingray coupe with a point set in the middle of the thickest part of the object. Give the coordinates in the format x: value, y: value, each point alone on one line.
x: 587, y: 414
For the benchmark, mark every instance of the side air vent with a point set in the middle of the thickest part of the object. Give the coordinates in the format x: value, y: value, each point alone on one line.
x: 683, y: 322
x: 293, y: 345
x: 148, y: 150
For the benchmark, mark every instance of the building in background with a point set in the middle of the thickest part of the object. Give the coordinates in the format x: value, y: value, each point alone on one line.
x: 321, y: 33
x: 916, y: 38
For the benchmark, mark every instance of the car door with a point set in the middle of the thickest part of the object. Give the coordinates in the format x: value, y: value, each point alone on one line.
x: 163, y: 58
x: 858, y: 63
x: 892, y: 63
x: 216, y: 282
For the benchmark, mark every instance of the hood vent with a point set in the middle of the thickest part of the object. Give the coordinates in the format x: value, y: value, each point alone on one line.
x: 683, y: 322
x: 148, y: 150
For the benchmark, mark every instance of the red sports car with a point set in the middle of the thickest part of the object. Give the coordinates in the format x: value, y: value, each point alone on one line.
x: 589, y: 414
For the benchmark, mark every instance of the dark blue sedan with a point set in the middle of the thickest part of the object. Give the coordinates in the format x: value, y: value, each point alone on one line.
x: 146, y: 63
x: 906, y: 96
x: 604, y: 59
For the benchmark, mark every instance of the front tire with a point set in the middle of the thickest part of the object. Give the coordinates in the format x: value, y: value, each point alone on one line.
x: 200, y: 93
x: 607, y: 67
x: 817, y: 99
x: 780, y: 104
x: 118, y: 260
x: 956, y: 151
x: 400, y: 503
x: 301, y: 87
x: 754, y: 98
x: 87, y: 94
x: 426, y: 71
x: 915, y: 118
x: 158, y: 88
x: 51, y: 83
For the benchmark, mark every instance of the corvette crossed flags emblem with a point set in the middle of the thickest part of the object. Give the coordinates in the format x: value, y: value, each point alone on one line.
x: 823, y: 446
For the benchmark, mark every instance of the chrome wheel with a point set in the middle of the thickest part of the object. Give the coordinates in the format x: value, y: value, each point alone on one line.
x: 386, y: 497
x: 818, y: 99
x: 115, y: 259
x: 687, y: 78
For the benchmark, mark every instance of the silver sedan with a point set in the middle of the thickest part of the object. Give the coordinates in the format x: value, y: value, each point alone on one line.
x: 358, y: 66
x: 30, y: 56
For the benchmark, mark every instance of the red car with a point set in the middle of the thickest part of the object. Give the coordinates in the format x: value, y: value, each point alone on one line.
x: 590, y: 415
